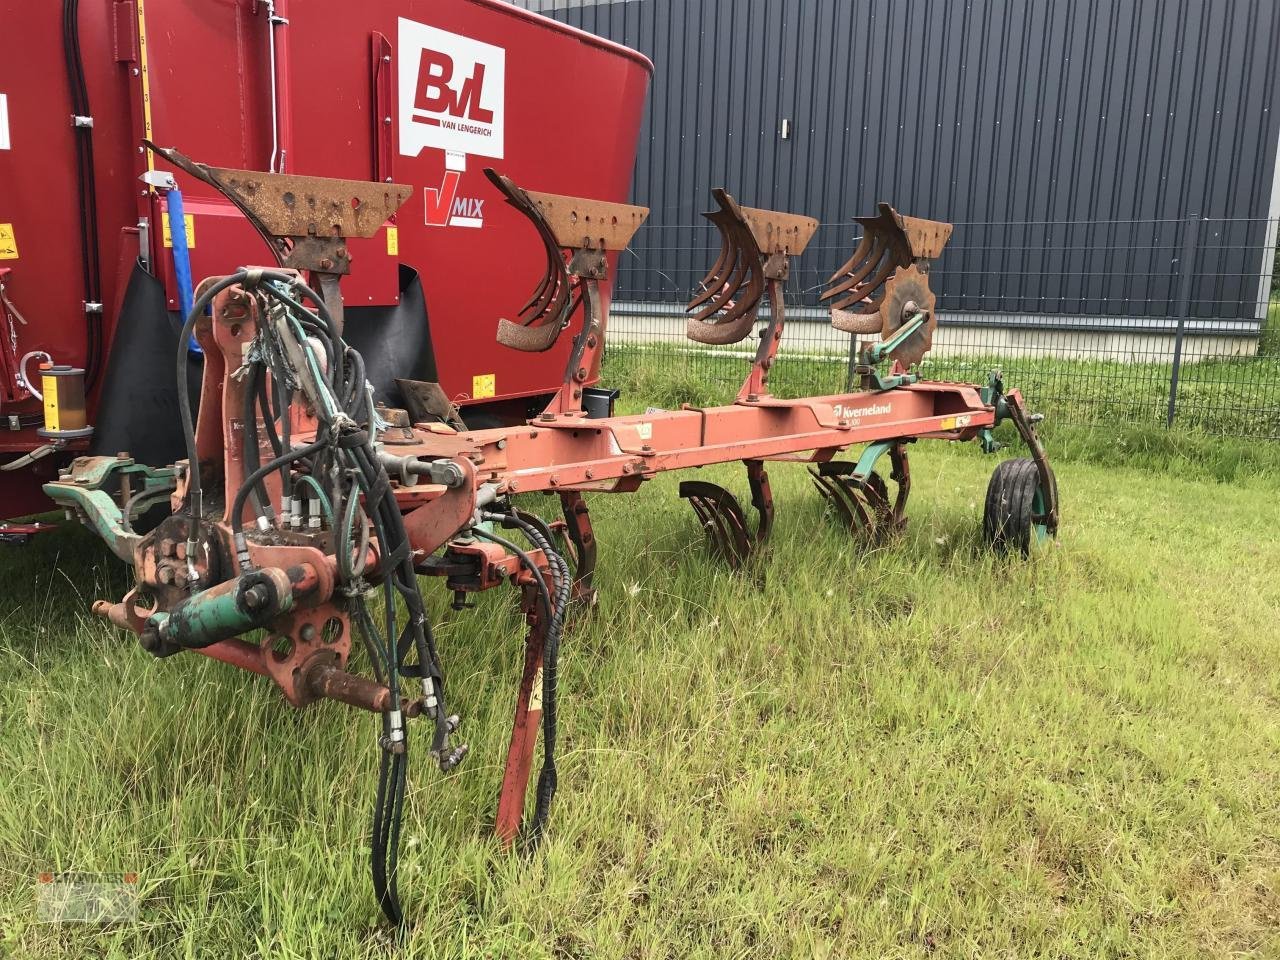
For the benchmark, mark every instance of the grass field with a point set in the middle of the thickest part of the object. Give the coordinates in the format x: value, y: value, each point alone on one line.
x: 918, y: 751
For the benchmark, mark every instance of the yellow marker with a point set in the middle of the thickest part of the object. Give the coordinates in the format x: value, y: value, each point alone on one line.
x: 189, y: 220
x: 144, y: 74
x: 535, y: 693
x: 948, y: 423
x: 393, y: 241
x: 483, y: 385
x: 8, y: 243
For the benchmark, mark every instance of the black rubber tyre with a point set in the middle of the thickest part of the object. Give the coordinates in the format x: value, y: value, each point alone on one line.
x: 1014, y: 515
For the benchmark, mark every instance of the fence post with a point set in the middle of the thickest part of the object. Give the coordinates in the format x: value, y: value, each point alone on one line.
x: 1185, y: 259
x: 853, y: 362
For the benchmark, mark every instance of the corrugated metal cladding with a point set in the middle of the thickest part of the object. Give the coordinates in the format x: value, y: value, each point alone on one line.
x: 1079, y: 114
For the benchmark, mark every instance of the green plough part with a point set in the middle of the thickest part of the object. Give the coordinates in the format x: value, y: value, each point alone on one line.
x: 109, y: 493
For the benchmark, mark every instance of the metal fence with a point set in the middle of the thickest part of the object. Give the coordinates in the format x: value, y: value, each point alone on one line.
x: 1162, y: 322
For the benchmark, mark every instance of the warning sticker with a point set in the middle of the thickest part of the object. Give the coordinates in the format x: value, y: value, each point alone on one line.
x: 483, y: 385
x: 535, y: 694
x: 190, y: 222
x: 393, y: 241
x: 8, y: 244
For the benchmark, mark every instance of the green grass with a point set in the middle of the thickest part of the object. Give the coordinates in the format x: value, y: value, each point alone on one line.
x: 1269, y: 343
x: 917, y: 751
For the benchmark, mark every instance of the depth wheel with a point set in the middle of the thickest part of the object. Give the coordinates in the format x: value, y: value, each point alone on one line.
x: 1016, y: 512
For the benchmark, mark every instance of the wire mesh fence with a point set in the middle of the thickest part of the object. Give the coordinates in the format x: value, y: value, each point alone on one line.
x: 1162, y: 322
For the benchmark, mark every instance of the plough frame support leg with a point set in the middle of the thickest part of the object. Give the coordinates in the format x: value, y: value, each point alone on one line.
x: 524, y: 729
x: 578, y: 527
x: 761, y: 498
x: 901, y: 475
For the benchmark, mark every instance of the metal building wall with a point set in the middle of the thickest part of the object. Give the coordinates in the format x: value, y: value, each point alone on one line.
x: 1085, y: 117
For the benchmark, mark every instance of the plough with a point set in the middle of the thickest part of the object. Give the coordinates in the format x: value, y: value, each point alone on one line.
x: 301, y: 498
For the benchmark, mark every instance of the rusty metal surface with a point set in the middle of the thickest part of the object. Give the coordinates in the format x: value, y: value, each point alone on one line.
x: 287, y: 205
x: 721, y: 518
x: 858, y: 285
x: 729, y: 534
x: 778, y: 232
x: 323, y: 679
x: 906, y: 294
x: 859, y: 323
x: 888, y: 270
x: 926, y: 238
x: 861, y: 503
x: 733, y: 288
x: 581, y: 224
x: 547, y: 311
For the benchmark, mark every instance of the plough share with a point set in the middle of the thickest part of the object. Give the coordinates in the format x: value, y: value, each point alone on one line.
x: 300, y: 498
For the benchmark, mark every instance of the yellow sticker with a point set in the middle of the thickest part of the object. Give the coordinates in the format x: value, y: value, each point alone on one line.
x: 190, y: 221
x: 393, y: 241
x: 8, y: 245
x: 948, y: 423
x: 535, y: 693
x: 483, y: 385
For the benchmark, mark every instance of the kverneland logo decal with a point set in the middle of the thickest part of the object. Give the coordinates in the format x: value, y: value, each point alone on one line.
x: 452, y: 94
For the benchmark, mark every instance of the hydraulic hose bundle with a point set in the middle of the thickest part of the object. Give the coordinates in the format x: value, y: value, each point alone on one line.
x: 302, y: 350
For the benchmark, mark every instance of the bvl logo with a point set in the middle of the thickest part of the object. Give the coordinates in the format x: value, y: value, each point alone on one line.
x: 452, y: 93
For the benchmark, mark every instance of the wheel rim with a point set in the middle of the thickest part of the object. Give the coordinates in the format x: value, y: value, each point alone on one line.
x: 1040, y: 528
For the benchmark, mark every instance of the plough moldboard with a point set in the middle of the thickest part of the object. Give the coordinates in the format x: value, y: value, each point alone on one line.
x: 300, y: 498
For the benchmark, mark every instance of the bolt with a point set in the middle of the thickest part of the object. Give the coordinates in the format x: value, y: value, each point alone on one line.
x: 582, y: 373
x: 165, y: 575
x: 591, y: 474
x: 502, y: 444
x: 326, y: 264
x: 308, y: 632
x: 555, y: 480
x: 256, y: 597
x: 547, y: 417
x: 646, y: 448
x: 513, y: 486
x: 122, y: 455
